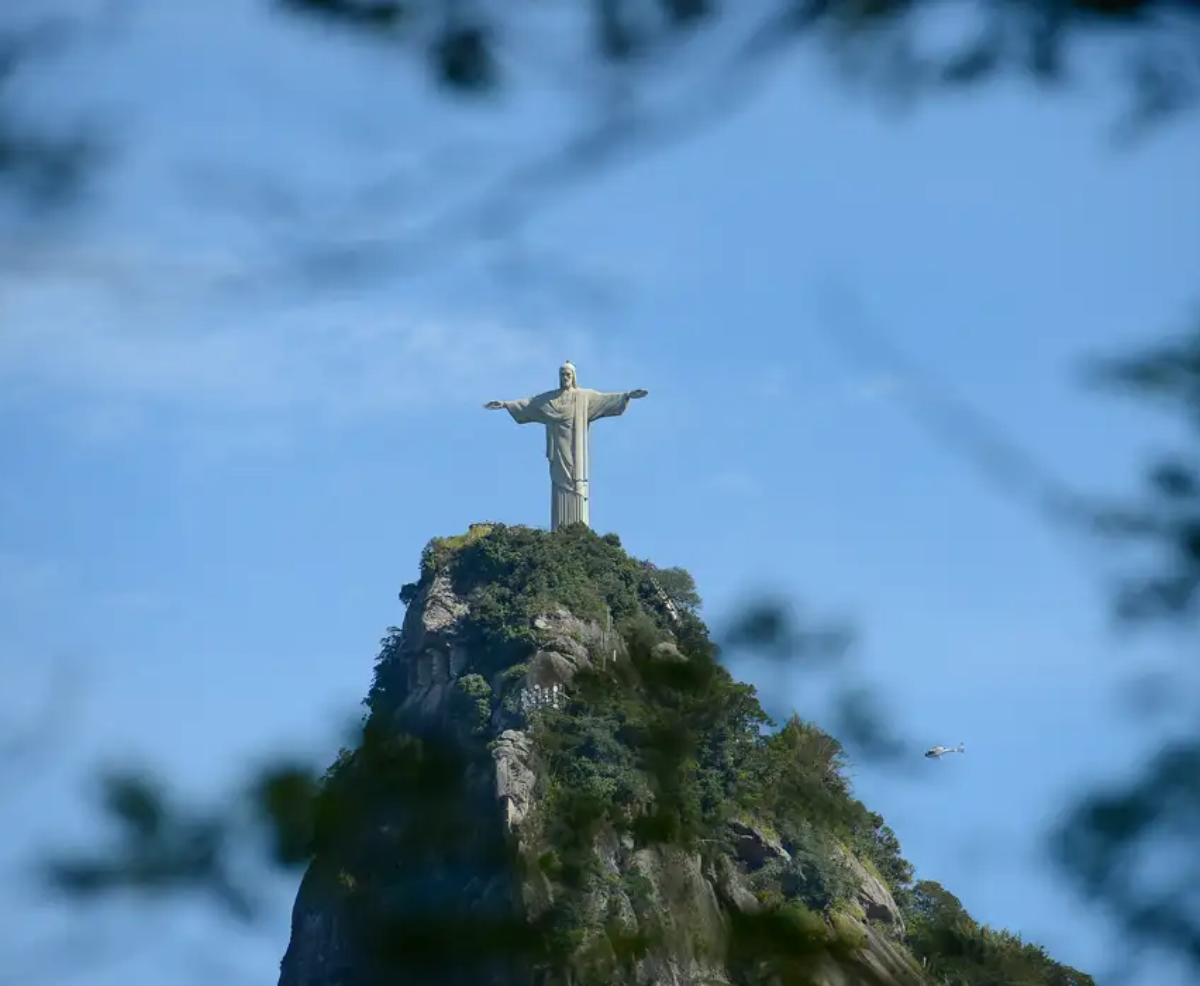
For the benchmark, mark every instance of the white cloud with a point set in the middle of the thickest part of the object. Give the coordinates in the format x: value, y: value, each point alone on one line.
x: 338, y: 360
x: 136, y: 270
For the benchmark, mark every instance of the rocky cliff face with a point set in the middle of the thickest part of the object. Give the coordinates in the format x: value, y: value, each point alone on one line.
x: 433, y: 884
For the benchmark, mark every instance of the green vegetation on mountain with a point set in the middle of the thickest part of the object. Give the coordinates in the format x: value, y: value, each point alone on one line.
x: 660, y: 756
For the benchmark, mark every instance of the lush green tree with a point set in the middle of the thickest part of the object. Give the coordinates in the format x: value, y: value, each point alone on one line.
x: 679, y: 587
x: 958, y: 951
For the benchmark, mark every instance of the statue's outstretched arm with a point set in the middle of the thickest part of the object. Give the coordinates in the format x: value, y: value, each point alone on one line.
x: 611, y: 404
x: 525, y: 411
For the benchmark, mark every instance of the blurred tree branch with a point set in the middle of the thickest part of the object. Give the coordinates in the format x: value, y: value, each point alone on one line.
x: 1168, y: 517
x: 39, y: 168
x: 619, y: 57
x: 1115, y: 841
x: 633, y: 50
x: 471, y: 49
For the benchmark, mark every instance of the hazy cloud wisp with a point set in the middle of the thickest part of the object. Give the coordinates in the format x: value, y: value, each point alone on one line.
x: 336, y: 360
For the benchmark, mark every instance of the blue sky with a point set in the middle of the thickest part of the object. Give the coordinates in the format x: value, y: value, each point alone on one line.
x: 212, y: 492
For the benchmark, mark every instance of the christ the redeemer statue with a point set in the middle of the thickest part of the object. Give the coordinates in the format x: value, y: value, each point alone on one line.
x: 567, y: 412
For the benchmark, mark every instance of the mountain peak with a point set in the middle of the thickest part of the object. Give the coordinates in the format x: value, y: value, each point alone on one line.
x: 558, y: 783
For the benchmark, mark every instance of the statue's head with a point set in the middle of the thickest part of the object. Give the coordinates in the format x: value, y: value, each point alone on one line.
x: 566, y: 376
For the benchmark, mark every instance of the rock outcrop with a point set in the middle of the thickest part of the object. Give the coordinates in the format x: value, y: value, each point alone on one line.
x: 421, y: 892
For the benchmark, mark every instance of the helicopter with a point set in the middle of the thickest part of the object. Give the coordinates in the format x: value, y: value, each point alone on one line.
x: 937, y: 752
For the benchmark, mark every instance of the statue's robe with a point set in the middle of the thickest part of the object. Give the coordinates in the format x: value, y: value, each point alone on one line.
x: 566, y: 415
